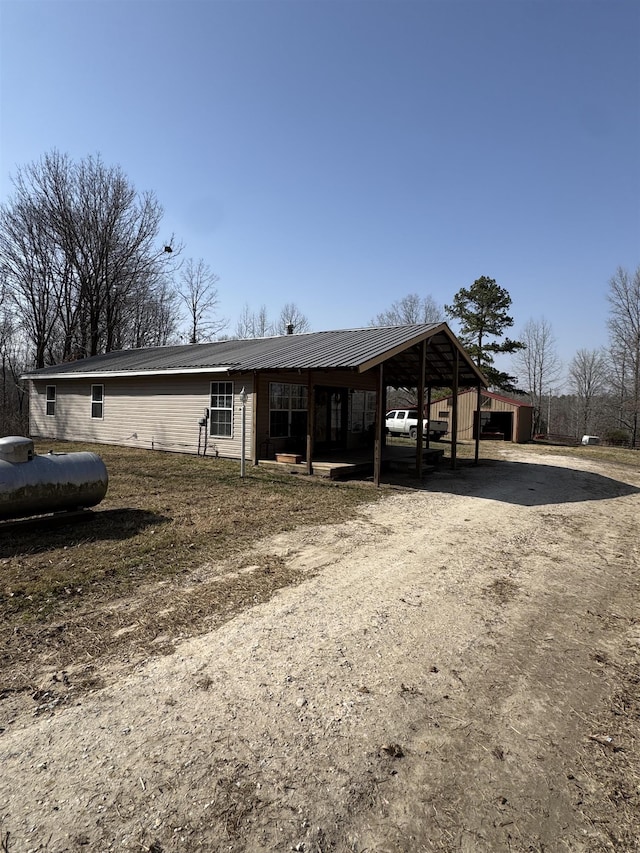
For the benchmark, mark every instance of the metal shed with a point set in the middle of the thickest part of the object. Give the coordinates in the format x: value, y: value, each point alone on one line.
x: 500, y: 417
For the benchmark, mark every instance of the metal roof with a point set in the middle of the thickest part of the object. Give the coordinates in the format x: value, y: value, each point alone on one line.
x: 399, y: 347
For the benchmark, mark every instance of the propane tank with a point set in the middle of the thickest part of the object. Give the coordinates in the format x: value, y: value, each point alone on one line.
x: 33, y: 484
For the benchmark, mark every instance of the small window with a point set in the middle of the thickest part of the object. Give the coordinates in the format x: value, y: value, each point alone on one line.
x: 221, y: 411
x: 444, y: 414
x: 51, y: 401
x: 97, y: 401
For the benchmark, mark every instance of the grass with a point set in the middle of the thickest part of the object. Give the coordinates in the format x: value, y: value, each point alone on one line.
x: 163, y: 515
x: 172, y: 550
x: 175, y: 548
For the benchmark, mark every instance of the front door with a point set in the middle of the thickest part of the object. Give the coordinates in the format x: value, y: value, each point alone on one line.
x: 331, y: 418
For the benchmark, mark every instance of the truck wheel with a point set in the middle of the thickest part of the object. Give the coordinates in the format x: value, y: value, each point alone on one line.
x: 413, y: 432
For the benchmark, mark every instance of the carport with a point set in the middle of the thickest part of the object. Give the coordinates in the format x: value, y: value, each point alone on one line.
x: 436, y: 359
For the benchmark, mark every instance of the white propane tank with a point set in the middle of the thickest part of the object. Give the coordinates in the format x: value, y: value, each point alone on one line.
x: 32, y: 484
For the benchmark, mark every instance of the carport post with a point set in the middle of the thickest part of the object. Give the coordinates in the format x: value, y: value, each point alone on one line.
x: 478, y: 413
x: 377, y: 447
x: 311, y: 417
x: 421, y: 384
x: 454, y: 413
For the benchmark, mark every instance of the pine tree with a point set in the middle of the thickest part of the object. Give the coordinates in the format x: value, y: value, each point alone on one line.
x: 481, y: 311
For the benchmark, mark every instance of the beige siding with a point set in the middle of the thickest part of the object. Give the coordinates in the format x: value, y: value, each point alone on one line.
x: 155, y: 412
x: 162, y: 412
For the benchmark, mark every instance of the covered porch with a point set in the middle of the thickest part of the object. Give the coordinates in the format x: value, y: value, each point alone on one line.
x: 359, y: 463
x: 322, y: 424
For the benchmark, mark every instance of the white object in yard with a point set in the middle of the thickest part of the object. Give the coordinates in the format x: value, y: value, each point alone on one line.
x: 590, y: 439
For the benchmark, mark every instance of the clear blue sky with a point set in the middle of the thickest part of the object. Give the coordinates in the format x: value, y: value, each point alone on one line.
x: 341, y: 155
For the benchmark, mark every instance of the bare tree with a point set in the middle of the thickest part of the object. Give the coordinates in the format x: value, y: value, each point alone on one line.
x: 624, y: 334
x: 152, y: 318
x: 254, y: 324
x: 540, y: 365
x: 77, y: 244
x: 28, y: 270
x: 199, y: 293
x: 588, y: 376
x: 409, y: 310
x: 291, y: 320
x: 13, y: 395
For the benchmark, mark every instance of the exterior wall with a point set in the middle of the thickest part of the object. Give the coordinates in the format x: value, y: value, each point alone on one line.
x: 266, y: 446
x: 162, y: 412
x: 467, y: 403
x: 156, y: 412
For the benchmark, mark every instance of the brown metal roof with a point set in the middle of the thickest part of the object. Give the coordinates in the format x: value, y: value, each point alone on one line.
x: 398, y: 347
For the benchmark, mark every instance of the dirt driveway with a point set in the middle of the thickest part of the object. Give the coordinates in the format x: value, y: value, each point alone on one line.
x: 459, y: 671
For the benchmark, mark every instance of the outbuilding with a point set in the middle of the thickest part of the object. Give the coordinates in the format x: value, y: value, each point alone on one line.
x: 500, y: 418
x: 305, y: 395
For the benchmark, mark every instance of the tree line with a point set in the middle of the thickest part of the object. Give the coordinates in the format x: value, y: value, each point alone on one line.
x: 597, y: 392
x: 83, y: 270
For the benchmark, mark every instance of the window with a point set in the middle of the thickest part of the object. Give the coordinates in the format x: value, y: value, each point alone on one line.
x: 97, y: 401
x: 287, y: 410
x: 363, y: 411
x: 221, y: 410
x: 51, y: 400
x: 444, y: 414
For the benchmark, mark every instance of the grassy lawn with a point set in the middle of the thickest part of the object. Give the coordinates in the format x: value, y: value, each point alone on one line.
x: 168, y: 514
x: 171, y: 551
x: 164, y: 514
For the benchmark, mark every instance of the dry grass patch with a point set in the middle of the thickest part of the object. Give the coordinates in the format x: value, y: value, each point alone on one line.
x: 169, y: 552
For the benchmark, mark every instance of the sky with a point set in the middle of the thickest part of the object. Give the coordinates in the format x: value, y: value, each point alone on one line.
x: 341, y: 154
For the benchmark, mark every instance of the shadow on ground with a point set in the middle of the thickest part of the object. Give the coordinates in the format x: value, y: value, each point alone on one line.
x: 34, y: 535
x: 523, y: 483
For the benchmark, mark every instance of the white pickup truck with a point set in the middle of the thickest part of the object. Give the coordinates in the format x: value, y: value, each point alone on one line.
x: 405, y: 422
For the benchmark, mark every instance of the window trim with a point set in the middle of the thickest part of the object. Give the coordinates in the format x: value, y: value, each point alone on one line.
x: 229, y: 408
x: 50, y: 401
x: 99, y: 402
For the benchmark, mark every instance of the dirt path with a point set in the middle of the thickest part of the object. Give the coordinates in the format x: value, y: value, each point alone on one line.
x: 458, y: 672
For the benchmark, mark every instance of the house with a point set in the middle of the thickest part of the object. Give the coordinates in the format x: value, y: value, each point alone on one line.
x: 305, y: 394
x: 500, y: 417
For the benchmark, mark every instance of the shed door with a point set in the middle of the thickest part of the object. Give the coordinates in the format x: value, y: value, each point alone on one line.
x: 496, y: 425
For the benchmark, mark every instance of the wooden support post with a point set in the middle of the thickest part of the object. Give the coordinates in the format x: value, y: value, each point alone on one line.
x: 377, y: 447
x: 421, y: 383
x: 311, y: 419
x: 478, y: 425
x: 255, y: 449
x: 454, y: 412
